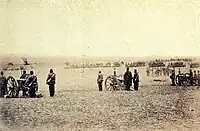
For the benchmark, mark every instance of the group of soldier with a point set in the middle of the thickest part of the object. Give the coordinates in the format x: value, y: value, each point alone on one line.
x: 128, y: 79
x: 30, y: 81
x: 194, y: 78
x: 158, y: 71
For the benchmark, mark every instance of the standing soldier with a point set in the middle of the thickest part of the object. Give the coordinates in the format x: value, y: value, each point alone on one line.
x: 115, y: 80
x: 128, y: 79
x: 31, y: 82
x: 23, y: 76
x: 195, y: 78
x: 172, y: 77
x: 198, y: 78
x: 179, y: 78
x: 51, y: 81
x: 115, y: 74
x: 148, y: 71
x: 100, y: 81
x: 3, y: 87
x: 136, y: 80
x: 191, y: 78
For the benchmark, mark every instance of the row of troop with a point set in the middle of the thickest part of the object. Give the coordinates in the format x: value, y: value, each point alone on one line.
x: 128, y: 79
x: 194, y: 78
x: 158, y: 71
x: 29, y: 81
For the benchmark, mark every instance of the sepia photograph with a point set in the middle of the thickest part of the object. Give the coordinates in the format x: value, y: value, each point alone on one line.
x: 99, y: 65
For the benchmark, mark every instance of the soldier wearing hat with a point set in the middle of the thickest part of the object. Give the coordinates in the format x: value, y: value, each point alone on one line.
x: 31, y: 82
x: 51, y: 80
x: 136, y: 80
x: 100, y: 81
x: 3, y: 85
x: 128, y: 79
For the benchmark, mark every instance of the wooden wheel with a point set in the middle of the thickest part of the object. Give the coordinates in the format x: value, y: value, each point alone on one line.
x: 12, y: 88
x: 109, y: 83
x: 113, y: 84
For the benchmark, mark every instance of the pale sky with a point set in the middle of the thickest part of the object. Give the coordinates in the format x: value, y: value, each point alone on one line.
x: 100, y: 27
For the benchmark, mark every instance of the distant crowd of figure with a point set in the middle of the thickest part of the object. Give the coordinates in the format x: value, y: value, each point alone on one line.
x: 30, y: 81
x: 158, y: 71
x: 128, y: 79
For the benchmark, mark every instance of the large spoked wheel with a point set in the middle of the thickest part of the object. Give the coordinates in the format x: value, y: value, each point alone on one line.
x: 12, y: 88
x: 113, y: 84
x: 109, y: 84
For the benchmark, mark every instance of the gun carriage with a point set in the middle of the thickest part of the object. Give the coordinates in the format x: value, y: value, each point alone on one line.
x: 184, y: 79
x: 15, y: 86
x: 114, y: 83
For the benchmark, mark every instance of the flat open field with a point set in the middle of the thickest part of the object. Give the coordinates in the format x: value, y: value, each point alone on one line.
x: 78, y: 105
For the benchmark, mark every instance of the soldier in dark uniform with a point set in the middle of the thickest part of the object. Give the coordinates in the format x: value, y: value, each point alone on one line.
x: 198, y: 78
x: 179, y: 78
x: 128, y: 79
x: 195, y: 77
x: 148, y: 71
x: 3, y: 85
x: 136, y: 80
x: 51, y: 80
x: 191, y: 78
x: 31, y: 82
x: 115, y: 74
x: 100, y: 81
x: 172, y: 77
x: 23, y: 76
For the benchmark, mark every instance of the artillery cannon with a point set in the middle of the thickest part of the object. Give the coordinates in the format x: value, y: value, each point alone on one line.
x: 15, y: 86
x: 114, y: 83
x: 183, y: 79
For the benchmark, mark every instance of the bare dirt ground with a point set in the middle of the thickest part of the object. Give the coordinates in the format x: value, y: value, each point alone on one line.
x: 79, y: 106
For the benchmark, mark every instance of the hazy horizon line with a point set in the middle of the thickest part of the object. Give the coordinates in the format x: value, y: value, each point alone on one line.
x: 28, y: 55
